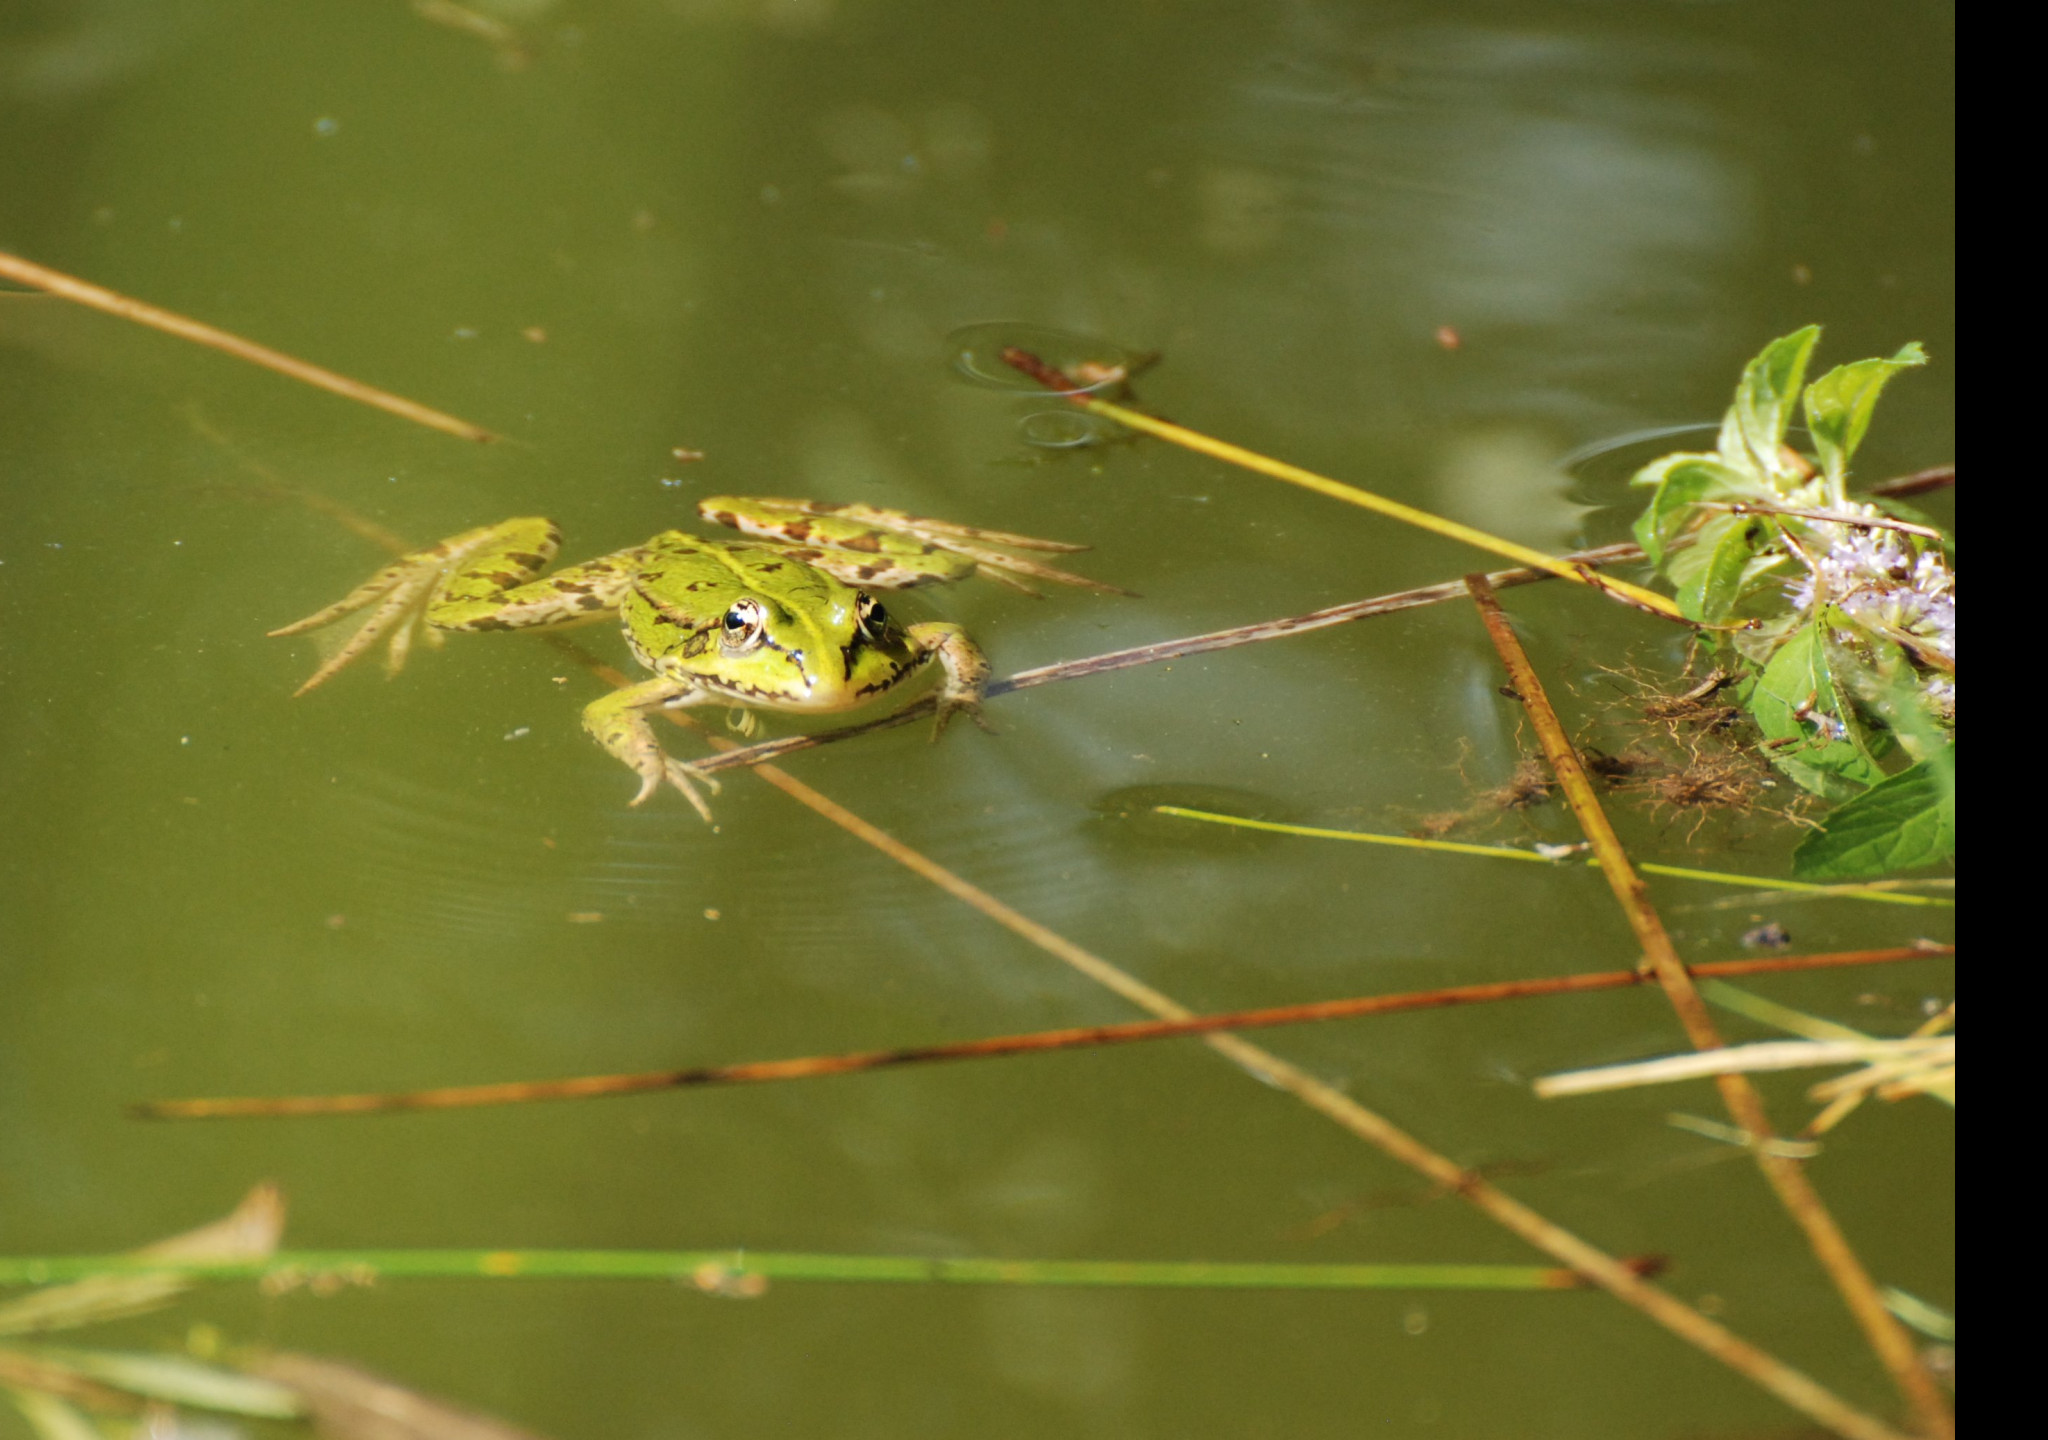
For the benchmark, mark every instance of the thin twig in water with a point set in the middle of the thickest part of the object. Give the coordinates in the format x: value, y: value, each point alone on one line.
x: 55, y: 282
x: 587, y: 1087
x: 715, y: 1272
x: 1894, y: 1347
x: 1937, y: 477
x: 1853, y: 522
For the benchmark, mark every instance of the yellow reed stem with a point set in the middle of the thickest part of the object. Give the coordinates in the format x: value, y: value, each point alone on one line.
x: 1208, y: 445
x: 1508, y: 852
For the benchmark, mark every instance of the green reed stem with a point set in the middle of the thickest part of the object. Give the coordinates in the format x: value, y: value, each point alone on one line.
x: 708, y: 1267
x: 1505, y: 852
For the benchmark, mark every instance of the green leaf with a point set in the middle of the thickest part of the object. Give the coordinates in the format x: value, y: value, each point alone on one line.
x: 1903, y: 823
x: 1839, y: 406
x: 1756, y: 423
x: 1798, y: 679
x: 1892, y: 693
x: 1716, y: 585
x: 1682, y: 567
x: 1682, y: 482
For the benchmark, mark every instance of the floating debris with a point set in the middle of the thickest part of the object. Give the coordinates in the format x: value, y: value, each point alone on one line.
x: 1096, y: 366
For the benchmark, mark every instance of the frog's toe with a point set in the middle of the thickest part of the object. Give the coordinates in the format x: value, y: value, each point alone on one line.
x: 686, y: 778
x: 949, y: 706
x: 650, y: 781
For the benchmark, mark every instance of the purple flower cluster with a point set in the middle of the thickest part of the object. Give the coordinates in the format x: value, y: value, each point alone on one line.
x: 1880, y: 582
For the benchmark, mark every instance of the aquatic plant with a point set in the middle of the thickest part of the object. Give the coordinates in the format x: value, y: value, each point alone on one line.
x: 1836, y: 613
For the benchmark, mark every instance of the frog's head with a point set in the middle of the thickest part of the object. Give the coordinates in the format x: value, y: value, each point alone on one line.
x: 830, y: 650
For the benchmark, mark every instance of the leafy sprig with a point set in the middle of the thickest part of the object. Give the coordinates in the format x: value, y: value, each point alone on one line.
x: 1839, y: 613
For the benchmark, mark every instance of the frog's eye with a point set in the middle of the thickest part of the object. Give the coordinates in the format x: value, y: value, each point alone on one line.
x: 873, y: 618
x: 743, y: 625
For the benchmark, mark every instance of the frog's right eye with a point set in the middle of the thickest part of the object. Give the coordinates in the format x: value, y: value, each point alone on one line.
x: 743, y: 625
x: 874, y: 620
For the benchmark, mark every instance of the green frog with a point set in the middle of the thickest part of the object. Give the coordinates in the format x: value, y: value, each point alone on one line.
x: 783, y: 621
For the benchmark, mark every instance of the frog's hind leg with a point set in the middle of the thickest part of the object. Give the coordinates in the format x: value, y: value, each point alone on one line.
x: 618, y: 722
x: 496, y: 591
x: 507, y: 553
x: 893, y: 549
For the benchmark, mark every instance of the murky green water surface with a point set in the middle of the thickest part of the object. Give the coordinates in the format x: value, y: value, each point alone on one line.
x: 747, y: 228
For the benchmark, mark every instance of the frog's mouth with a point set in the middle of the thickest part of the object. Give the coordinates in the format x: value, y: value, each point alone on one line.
x: 797, y: 689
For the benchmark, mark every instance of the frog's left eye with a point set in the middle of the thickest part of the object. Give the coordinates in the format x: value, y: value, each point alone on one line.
x: 873, y: 618
x: 743, y: 625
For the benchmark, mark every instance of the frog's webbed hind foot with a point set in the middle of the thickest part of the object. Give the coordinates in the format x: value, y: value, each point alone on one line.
x: 402, y: 588
x: 402, y: 592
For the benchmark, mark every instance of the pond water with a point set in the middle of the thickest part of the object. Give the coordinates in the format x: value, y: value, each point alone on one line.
x: 1429, y: 249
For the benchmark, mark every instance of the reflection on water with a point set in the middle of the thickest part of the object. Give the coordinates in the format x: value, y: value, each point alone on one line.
x: 1572, y: 203
x: 432, y: 867
x: 438, y: 868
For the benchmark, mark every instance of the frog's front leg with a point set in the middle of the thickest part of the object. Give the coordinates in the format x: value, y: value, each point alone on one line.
x: 966, y: 671
x: 618, y: 721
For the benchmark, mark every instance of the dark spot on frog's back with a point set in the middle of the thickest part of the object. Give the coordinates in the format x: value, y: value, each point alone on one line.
x: 872, y: 544
x: 696, y: 585
x: 527, y: 562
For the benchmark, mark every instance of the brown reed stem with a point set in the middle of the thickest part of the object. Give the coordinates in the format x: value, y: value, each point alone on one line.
x: 81, y: 292
x: 590, y: 1087
x: 1894, y: 1347
x: 1935, y: 477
